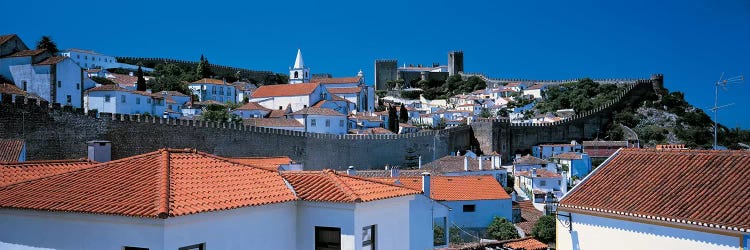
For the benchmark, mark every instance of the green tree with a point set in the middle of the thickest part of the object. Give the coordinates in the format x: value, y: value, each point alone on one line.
x: 46, y: 43
x: 438, y: 234
x: 204, y: 68
x: 141, y: 83
x: 403, y: 115
x: 485, y: 113
x: 502, y: 229
x: 411, y: 160
x: 455, y: 235
x: 219, y: 113
x: 392, y: 119
x: 544, y: 229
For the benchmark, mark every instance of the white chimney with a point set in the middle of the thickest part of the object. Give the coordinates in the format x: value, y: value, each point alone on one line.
x: 420, y: 163
x: 496, y: 162
x: 481, y: 159
x: 426, y: 183
x: 130, y: 73
x: 466, y: 163
x: 99, y: 150
x: 394, y: 172
x: 564, y: 182
x: 351, y: 171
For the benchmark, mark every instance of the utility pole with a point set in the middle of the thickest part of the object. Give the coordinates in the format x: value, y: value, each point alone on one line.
x: 722, y: 82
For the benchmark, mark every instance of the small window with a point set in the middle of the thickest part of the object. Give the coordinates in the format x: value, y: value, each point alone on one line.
x: 368, y: 237
x: 542, y: 183
x: 134, y: 248
x: 148, y: 100
x: 86, y: 57
x: 59, y: 84
x: 68, y: 99
x: 328, y: 123
x: 78, y: 56
x: 559, y: 183
x: 341, y: 123
x: 137, y: 100
x: 24, y: 85
x: 201, y: 246
x: 78, y: 86
x: 470, y: 208
x: 221, y: 90
x: 213, y: 90
x: 106, y: 98
x: 122, y: 98
x: 296, y: 74
x: 312, y: 122
x: 327, y: 238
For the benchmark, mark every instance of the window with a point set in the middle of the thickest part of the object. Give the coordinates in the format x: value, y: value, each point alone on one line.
x: 470, y: 208
x: 78, y: 56
x: 68, y: 99
x: 328, y: 123
x: 213, y: 90
x: 559, y: 183
x: 368, y: 237
x: 24, y: 85
x: 93, y: 58
x: 327, y: 238
x: 148, y: 100
x: 122, y: 98
x: 137, y: 100
x: 542, y: 183
x: 78, y: 85
x: 312, y: 122
x: 296, y: 74
x: 135, y: 248
x: 59, y: 84
x: 341, y: 123
x: 85, y: 57
x: 221, y: 90
x: 201, y: 246
x: 106, y: 98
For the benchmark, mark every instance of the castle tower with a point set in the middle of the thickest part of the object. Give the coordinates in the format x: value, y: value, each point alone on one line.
x: 299, y: 73
x: 455, y: 62
x: 385, y: 70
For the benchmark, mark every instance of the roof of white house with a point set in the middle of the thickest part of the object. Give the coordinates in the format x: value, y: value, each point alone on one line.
x: 317, y: 111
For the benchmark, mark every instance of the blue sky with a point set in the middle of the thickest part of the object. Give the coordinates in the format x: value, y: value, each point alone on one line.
x: 690, y: 42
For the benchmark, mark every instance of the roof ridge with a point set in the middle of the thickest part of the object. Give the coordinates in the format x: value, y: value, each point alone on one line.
x: 225, y: 159
x: 79, y: 160
x: 163, y: 203
x: 341, y: 185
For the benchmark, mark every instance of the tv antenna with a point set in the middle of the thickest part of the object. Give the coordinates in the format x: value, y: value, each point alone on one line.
x: 722, y: 82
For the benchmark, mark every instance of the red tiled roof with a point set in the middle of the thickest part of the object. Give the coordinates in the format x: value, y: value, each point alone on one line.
x: 16, y: 172
x: 536, y: 86
x: 529, y: 216
x: 272, y: 122
x: 23, y: 53
x: 277, y: 113
x: 702, y: 187
x: 108, y: 87
x: 371, y: 131
x: 52, y: 60
x: 253, y: 106
x: 10, y: 150
x: 329, y: 186
x: 528, y: 243
x: 530, y: 160
x: 618, y: 144
x: 210, y: 81
x: 122, y: 79
x: 344, y: 90
x: 451, y: 164
x: 569, y: 156
x: 457, y: 188
x: 272, y: 162
x: 338, y: 80
x: 299, y: 89
x: 164, y: 183
x: 543, y: 173
x: 12, y: 89
x: 317, y: 111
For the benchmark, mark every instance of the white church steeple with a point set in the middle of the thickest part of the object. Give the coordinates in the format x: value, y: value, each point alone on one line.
x: 300, y: 73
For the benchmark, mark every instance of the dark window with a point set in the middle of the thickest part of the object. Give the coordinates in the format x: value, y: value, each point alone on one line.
x: 368, y: 237
x: 328, y: 123
x: 24, y: 85
x: 296, y: 74
x: 201, y: 246
x: 312, y: 122
x: 68, y: 99
x: 341, y: 123
x: 134, y: 248
x: 59, y: 84
x: 106, y: 98
x: 327, y: 238
x: 470, y: 208
x: 78, y: 86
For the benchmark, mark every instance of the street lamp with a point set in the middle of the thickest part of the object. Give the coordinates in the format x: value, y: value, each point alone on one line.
x: 550, y: 208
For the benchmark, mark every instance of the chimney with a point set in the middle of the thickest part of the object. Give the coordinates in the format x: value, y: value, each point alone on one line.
x: 351, y: 171
x: 481, y: 159
x: 394, y: 172
x: 426, y: 183
x: 420, y: 163
x: 466, y: 163
x: 497, y: 162
x: 130, y: 73
x: 99, y: 150
x: 564, y: 182
x: 492, y: 162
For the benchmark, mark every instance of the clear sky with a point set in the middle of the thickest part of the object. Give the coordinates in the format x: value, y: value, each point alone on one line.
x: 690, y: 41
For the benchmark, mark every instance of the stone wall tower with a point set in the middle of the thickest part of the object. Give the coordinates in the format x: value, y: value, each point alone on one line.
x: 385, y: 70
x: 299, y: 73
x: 455, y: 62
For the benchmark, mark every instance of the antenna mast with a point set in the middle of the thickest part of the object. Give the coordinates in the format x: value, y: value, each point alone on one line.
x: 722, y: 82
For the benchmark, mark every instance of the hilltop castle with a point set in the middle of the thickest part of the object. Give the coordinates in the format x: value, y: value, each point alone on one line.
x: 388, y: 70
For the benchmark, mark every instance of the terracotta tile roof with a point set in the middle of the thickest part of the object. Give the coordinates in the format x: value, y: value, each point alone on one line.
x: 530, y: 160
x: 317, y: 111
x: 10, y: 149
x: 452, y: 164
x: 277, y: 113
x: 542, y: 173
x: 272, y: 122
x: 457, y: 188
x: 23, y: 53
x: 211, y: 102
x: 329, y: 186
x: 405, y: 125
x: 536, y: 86
x: 384, y: 173
x: 176, y: 93
x: 16, y: 172
x: 622, y: 144
x: 365, y: 116
x: 371, y: 131
x: 339, y: 98
x: 210, y: 81
x: 529, y: 216
x: 352, y: 90
x: 272, y: 162
x: 52, y: 60
x: 253, y: 106
x: 12, y: 89
x: 337, y: 80
x: 164, y: 183
x: 569, y: 156
x: 528, y: 243
x: 123, y: 79
x: 300, y: 89
x: 702, y: 187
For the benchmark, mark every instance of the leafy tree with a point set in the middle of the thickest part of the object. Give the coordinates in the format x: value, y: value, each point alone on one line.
x: 403, y: 115
x: 544, y: 229
x: 411, y: 94
x: 141, y: 83
x: 510, y: 181
x: 485, y: 113
x: 46, y: 43
x: 502, y: 229
x: 392, y: 119
x: 171, y: 77
x: 411, y: 160
x: 219, y: 113
x: 455, y: 235
x: 503, y: 112
x: 615, y: 132
x: 438, y: 234
x: 204, y: 68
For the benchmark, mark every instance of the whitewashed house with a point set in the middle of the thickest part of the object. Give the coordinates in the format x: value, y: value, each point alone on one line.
x: 321, y: 120
x: 55, y: 79
x: 115, y: 99
x: 239, y: 207
x: 244, y: 90
x: 659, y: 199
x: 545, y: 151
x: 297, y: 96
x: 90, y: 59
x: 337, y: 103
x: 537, y: 183
x: 535, y: 91
x: 214, y: 89
x: 353, y: 89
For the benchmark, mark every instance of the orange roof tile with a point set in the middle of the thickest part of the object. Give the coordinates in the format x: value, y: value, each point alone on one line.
x: 123, y: 79
x: 15, y: 172
x: 272, y: 162
x: 272, y: 122
x: 337, y: 80
x: 452, y: 164
x: 164, y: 183
x: 317, y: 111
x: 329, y: 186
x: 10, y: 149
x: 12, y: 89
x: 6, y: 38
x: 528, y: 243
x: 568, y: 156
x: 277, y: 113
x: 529, y: 216
x: 541, y: 173
x: 253, y: 106
x: 285, y: 90
x: 210, y: 81
x: 52, y: 60
x: 351, y: 90
x: 457, y: 188
x: 530, y: 160
x: 684, y: 186
x: 27, y: 53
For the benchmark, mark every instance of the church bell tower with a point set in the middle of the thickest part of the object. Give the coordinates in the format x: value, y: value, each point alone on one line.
x: 299, y: 73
